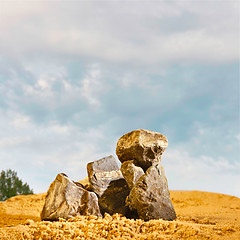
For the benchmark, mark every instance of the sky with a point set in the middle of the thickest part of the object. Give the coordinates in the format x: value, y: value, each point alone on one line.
x: 77, y: 75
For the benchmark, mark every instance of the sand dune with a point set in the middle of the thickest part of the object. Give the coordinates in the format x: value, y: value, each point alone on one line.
x: 200, y: 215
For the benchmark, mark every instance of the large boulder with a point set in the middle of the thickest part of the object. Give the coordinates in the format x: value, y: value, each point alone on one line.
x: 146, y: 147
x: 131, y: 172
x: 107, y: 182
x: 150, y: 196
x: 67, y: 199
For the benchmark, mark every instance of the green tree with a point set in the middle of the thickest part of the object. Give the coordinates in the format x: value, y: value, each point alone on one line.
x: 11, y: 185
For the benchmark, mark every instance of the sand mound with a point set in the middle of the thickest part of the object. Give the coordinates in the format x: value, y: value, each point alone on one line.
x: 200, y: 215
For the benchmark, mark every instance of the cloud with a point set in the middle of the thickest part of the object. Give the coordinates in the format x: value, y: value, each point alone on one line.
x: 35, y: 150
x: 122, y: 32
x: 41, y: 151
x: 91, y: 86
x: 13, y: 142
x: 208, y: 174
x: 20, y: 121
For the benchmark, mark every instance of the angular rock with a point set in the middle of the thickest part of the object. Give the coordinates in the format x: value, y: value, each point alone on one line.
x: 101, y: 173
x: 107, y: 182
x: 85, y: 183
x: 66, y: 199
x: 150, y: 196
x: 131, y: 172
x: 146, y: 147
x: 113, y: 200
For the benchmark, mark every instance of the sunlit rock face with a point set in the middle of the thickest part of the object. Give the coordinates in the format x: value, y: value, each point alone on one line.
x: 67, y: 199
x: 140, y: 152
x: 131, y: 172
x: 146, y: 147
x: 150, y: 195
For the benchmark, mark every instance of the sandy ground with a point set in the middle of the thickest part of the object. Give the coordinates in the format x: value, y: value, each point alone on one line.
x: 200, y: 215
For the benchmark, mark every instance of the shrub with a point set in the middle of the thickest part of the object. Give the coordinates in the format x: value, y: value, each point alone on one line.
x: 11, y: 185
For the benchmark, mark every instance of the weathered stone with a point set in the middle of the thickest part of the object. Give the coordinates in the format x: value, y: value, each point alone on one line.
x: 85, y: 183
x: 142, y: 145
x: 66, y: 199
x: 150, y: 196
x: 131, y: 172
x: 107, y: 182
x: 113, y: 200
x: 101, y: 173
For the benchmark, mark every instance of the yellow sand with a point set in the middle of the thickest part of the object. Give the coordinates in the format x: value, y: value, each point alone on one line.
x: 200, y: 215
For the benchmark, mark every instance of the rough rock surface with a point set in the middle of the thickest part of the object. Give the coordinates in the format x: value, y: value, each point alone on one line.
x: 131, y: 172
x: 142, y: 145
x: 150, y: 196
x: 66, y: 199
x: 101, y: 173
x: 107, y: 182
x: 113, y: 200
x: 85, y: 183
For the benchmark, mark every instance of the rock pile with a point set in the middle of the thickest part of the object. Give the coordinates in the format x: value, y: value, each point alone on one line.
x: 139, y: 189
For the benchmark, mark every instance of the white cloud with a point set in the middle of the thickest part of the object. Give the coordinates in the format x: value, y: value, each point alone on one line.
x: 36, y: 150
x: 238, y: 137
x: 10, y: 142
x: 58, y: 129
x: 20, y: 121
x: 127, y: 80
x: 122, y: 31
x: 200, y: 173
x: 43, y: 84
x: 91, y: 85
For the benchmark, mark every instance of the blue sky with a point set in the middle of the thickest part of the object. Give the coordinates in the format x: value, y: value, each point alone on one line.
x: 77, y: 75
